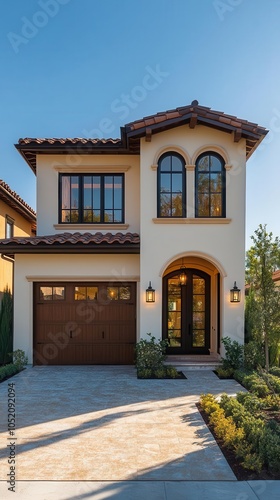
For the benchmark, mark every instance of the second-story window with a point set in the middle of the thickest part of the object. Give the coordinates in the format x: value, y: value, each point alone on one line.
x: 9, y: 227
x: 91, y: 199
x: 210, y: 186
x: 171, y: 186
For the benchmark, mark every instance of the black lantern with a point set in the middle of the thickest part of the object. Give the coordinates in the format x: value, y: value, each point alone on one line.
x: 150, y: 293
x: 235, y: 293
x: 183, y: 276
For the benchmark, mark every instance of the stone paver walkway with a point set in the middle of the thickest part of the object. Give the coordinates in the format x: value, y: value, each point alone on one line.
x: 96, y: 423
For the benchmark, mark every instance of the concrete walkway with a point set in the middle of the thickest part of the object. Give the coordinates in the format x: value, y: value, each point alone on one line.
x: 115, y: 436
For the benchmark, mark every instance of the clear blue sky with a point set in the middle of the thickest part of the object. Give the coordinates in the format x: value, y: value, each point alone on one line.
x: 68, y: 65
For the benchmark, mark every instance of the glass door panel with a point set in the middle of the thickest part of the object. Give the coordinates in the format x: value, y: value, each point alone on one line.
x: 174, y: 320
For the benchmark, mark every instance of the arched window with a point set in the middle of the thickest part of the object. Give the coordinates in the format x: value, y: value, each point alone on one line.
x: 171, y: 186
x: 210, y: 186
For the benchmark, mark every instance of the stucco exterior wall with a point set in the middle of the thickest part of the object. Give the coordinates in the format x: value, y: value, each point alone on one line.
x: 21, y: 228
x: 31, y: 268
x: 221, y: 242
x: 48, y: 168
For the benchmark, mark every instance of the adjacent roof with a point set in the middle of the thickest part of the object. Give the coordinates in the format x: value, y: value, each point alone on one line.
x: 18, y: 204
x: 276, y: 276
x: 73, y: 243
x: 193, y: 114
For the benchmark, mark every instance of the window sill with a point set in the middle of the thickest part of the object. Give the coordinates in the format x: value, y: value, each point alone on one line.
x: 202, y: 220
x: 85, y: 227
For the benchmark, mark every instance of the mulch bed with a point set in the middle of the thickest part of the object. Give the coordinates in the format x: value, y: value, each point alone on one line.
x: 239, y: 471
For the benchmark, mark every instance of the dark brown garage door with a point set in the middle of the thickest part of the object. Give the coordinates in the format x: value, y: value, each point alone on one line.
x: 84, y: 323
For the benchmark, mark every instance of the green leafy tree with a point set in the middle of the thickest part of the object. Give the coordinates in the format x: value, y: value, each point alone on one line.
x: 263, y: 258
x: 6, y: 327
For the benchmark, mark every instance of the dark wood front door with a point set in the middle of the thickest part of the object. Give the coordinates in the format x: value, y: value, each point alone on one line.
x: 186, y: 312
x: 84, y: 323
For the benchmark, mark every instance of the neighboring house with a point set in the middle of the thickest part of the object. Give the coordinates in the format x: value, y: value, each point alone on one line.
x: 164, y: 204
x: 16, y: 219
x: 276, y: 278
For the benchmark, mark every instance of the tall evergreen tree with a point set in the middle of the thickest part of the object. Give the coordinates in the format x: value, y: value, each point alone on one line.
x: 6, y: 327
x: 263, y: 258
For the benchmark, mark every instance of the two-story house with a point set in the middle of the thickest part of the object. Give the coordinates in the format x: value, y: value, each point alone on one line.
x: 17, y: 218
x: 140, y: 234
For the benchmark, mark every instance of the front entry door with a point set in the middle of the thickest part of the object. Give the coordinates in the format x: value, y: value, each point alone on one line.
x: 186, y: 312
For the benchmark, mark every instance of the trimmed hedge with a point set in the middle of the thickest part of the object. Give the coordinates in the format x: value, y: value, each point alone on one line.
x: 7, y: 371
x: 239, y: 424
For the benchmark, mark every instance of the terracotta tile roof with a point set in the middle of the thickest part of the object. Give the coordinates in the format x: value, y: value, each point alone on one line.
x: 276, y: 275
x: 74, y: 140
x: 17, y: 203
x: 131, y: 133
x: 72, y: 242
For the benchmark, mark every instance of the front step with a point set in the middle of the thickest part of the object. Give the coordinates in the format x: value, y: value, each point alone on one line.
x: 194, y: 362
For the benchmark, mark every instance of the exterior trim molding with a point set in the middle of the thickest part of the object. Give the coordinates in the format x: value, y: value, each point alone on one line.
x: 80, y: 277
x: 169, y: 148
x: 211, y: 147
x: 190, y: 168
x: 228, y: 167
x: 194, y: 253
x: 91, y: 168
x: 190, y: 220
x: 85, y: 227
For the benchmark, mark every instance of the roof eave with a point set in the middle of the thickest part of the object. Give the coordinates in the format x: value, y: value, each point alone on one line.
x: 10, y: 250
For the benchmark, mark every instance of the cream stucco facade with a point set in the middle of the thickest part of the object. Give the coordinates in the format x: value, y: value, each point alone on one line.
x: 211, y: 249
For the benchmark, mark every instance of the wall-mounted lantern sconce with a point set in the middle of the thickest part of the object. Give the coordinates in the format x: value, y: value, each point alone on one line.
x: 183, y: 276
x: 235, y: 293
x: 150, y: 293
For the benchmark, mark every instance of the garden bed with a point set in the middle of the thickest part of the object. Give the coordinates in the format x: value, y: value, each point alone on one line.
x: 179, y: 376
x: 240, y: 472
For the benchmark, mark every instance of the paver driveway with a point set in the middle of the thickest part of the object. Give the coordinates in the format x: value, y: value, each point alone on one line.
x: 101, y: 423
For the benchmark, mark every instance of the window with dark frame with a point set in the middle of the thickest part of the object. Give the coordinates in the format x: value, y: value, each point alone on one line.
x: 91, y: 198
x: 9, y: 227
x: 171, y: 186
x: 210, y: 186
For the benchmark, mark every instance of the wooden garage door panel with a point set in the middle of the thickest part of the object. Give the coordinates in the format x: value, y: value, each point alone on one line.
x: 49, y: 354
x: 69, y: 331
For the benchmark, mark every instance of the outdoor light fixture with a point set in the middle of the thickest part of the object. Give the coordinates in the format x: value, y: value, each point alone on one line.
x: 150, y: 293
x: 235, y: 293
x: 183, y: 275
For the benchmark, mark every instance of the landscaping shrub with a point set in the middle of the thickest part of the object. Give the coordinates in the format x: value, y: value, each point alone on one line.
x: 236, y: 421
x: 150, y: 354
x: 250, y: 402
x: 253, y: 355
x: 20, y: 360
x: 272, y: 382
x: 171, y: 372
x: 275, y: 371
x: 270, y: 449
x: 7, y: 371
x: 224, y: 372
x: 234, y: 354
x: 256, y: 384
